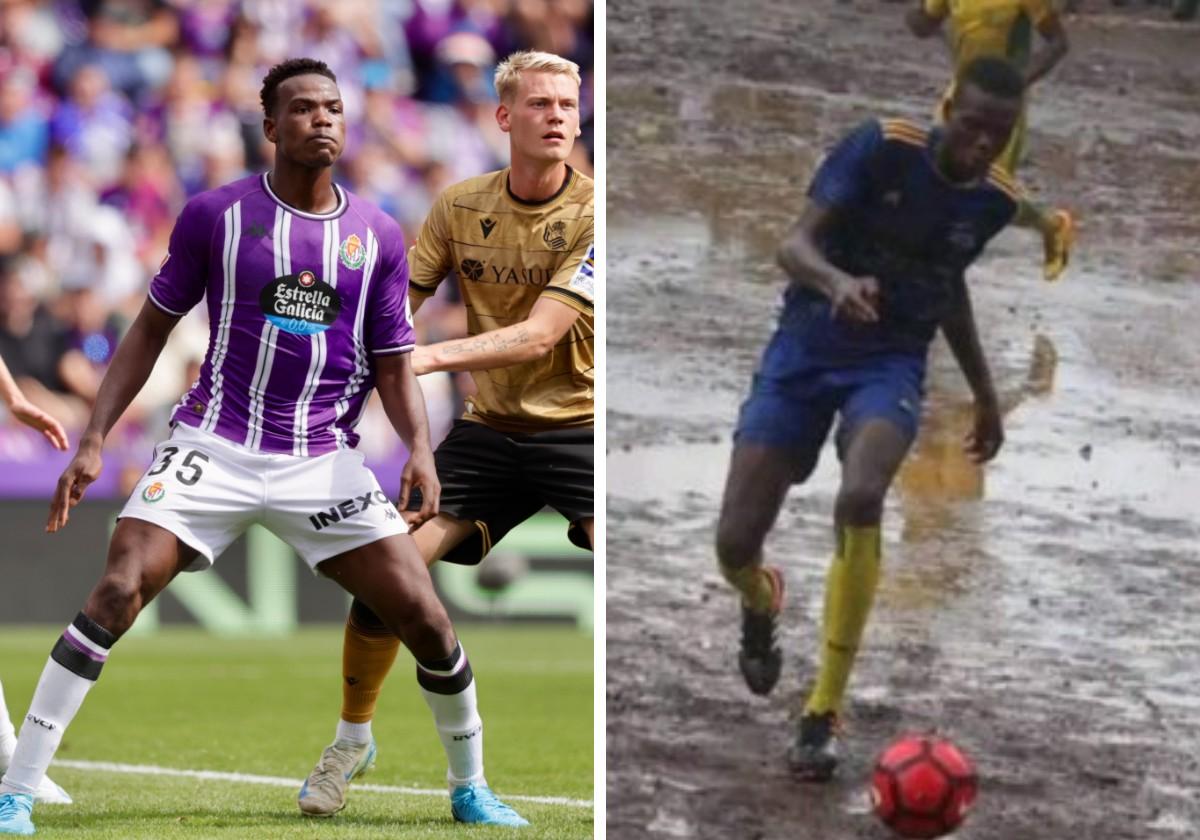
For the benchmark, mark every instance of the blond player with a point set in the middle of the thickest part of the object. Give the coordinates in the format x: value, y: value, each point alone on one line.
x: 520, y: 242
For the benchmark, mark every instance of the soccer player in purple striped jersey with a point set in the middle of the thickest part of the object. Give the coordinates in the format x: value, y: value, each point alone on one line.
x: 307, y: 295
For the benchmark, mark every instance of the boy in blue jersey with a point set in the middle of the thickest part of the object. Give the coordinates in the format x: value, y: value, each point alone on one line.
x: 876, y: 264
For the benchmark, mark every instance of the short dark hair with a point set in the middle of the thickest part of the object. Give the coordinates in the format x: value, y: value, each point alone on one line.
x: 285, y: 70
x: 997, y: 76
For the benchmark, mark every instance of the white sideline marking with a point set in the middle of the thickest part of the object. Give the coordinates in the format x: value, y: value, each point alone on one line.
x: 279, y: 781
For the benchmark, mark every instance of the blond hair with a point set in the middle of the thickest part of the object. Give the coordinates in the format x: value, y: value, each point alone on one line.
x: 508, y: 74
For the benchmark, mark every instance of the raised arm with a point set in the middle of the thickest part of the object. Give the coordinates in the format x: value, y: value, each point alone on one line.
x: 1051, y: 52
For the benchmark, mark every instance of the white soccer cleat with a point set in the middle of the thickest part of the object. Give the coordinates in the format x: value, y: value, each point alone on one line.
x: 324, y: 791
x: 49, y: 793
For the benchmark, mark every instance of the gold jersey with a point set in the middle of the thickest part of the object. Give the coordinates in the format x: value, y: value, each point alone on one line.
x: 508, y: 254
x: 991, y: 27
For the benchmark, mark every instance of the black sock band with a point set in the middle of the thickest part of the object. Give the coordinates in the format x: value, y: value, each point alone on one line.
x: 83, y: 648
x: 450, y: 675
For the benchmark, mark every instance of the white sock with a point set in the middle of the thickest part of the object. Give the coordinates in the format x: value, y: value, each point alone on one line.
x: 461, y: 730
x: 355, y: 733
x: 8, y: 735
x: 58, y: 697
x: 72, y: 670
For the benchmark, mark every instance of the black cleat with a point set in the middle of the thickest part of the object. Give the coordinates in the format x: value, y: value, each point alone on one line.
x: 760, y: 659
x: 813, y: 755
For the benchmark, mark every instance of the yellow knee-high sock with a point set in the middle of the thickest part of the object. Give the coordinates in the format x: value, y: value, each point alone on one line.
x: 754, y: 583
x: 849, y: 592
x: 367, y: 655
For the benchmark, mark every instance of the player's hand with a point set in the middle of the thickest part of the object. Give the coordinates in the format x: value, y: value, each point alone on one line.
x: 420, y: 472
x: 34, y: 417
x: 987, y: 436
x: 856, y: 298
x: 83, y: 470
x: 420, y: 360
x: 1058, y: 241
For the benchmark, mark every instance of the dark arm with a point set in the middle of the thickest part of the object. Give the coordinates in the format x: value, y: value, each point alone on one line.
x: 959, y: 328
x: 920, y: 22
x: 1050, y: 53
x: 402, y: 400
x: 801, y: 258
x: 127, y: 373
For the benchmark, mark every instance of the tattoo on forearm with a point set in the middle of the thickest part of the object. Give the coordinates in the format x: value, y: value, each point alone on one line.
x: 497, y: 343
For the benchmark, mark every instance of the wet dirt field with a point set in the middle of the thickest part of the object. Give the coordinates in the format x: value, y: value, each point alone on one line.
x: 1044, y: 614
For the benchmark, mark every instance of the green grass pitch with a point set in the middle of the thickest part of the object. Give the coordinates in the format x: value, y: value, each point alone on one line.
x: 189, y: 701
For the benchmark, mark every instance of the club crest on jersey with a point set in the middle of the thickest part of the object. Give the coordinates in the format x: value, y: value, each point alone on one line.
x: 154, y: 492
x: 556, y: 235
x: 352, y: 252
x: 300, y: 303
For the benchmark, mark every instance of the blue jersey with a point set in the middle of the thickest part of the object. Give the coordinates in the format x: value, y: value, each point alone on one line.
x: 902, y: 222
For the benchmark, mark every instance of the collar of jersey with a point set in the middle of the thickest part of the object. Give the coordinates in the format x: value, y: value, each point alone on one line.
x: 332, y: 214
x: 566, y: 183
x: 935, y: 136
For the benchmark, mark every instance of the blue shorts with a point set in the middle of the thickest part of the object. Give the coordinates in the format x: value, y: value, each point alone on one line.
x: 797, y: 393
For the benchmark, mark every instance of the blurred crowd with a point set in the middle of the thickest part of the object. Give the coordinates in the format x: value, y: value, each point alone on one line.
x: 114, y: 112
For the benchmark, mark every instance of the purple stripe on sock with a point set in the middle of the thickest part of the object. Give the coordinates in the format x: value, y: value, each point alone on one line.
x: 85, y: 651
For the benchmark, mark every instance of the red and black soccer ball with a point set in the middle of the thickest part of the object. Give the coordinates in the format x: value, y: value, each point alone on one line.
x: 923, y: 786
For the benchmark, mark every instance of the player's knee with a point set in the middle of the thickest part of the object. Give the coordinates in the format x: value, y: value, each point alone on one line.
x: 428, y: 633
x: 735, y: 546
x: 861, y: 504
x: 115, y: 602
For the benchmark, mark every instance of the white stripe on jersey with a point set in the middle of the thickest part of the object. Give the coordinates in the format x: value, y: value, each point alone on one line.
x: 281, y: 242
x: 319, y: 348
x: 354, y: 384
x: 233, y: 233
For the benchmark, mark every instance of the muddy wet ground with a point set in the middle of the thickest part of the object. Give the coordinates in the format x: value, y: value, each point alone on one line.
x: 1044, y: 614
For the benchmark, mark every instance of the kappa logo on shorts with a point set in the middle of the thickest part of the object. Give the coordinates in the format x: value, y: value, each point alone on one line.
x: 154, y: 492
x: 352, y: 252
x: 348, y: 509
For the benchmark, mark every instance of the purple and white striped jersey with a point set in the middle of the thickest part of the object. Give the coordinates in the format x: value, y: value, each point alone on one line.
x: 299, y: 305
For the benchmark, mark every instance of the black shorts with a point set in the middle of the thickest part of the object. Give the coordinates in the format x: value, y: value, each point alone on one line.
x: 498, y: 480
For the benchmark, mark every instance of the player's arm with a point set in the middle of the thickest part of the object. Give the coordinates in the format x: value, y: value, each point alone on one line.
x: 925, y: 18
x: 961, y: 334
x: 28, y: 413
x: 405, y: 407
x: 802, y: 259
x: 533, y: 338
x: 524, y: 341
x: 569, y: 293
x: 1054, y: 35
x: 130, y: 368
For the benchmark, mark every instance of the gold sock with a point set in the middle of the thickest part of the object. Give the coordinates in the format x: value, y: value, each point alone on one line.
x: 367, y: 656
x: 754, y: 583
x: 849, y: 592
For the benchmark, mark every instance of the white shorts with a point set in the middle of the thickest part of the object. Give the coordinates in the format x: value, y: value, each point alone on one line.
x: 207, y: 490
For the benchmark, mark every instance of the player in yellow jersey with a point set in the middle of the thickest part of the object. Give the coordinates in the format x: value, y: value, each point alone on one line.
x: 1004, y: 29
x: 521, y: 243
